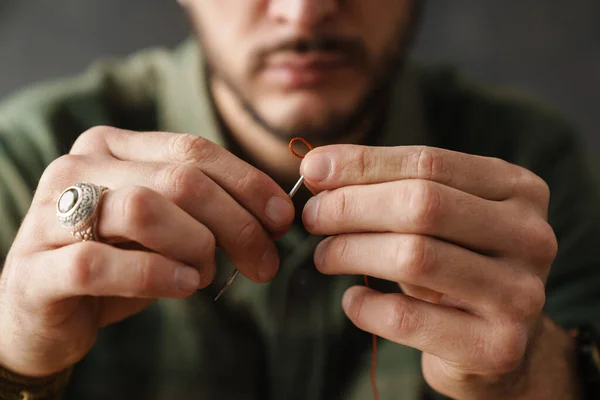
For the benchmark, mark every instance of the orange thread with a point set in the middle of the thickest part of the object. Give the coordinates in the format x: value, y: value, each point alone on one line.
x: 374, y: 342
x: 297, y: 139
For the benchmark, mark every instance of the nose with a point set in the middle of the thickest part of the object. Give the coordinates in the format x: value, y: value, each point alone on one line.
x: 302, y: 12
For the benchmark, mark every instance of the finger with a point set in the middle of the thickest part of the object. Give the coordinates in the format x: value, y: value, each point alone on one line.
x: 141, y: 215
x: 242, y: 236
x: 441, y: 331
x: 428, y: 208
x: 483, y: 284
x: 236, y: 230
x: 331, y: 167
x: 115, y: 309
x: 258, y: 193
x: 96, y: 269
x: 421, y: 293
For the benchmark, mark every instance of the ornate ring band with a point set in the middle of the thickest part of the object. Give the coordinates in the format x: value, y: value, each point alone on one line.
x: 77, y: 209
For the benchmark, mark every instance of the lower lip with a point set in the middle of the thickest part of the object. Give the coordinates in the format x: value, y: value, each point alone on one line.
x: 304, y: 77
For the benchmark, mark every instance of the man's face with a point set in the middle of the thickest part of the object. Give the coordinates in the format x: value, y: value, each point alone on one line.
x: 310, y: 68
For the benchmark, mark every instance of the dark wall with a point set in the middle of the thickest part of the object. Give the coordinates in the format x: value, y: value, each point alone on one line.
x: 548, y: 47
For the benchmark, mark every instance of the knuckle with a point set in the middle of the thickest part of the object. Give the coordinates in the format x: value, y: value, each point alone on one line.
x: 541, y: 243
x: 339, y: 248
x: 83, y: 265
x: 138, y: 208
x: 528, y: 179
x: 403, y: 318
x: 430, y: 165
x: 62, y: 165
x: 341, y: 205
x: 528, y: 301
x: 206, y: 251
x: 186, y: 148
x: 59, y: 170
x: 545, y: 193
x: 365, y: 162
x: 510, y: 175
x: 251, y: 230
x: 146, y: 276
x: 539, y: 188
x: 424, y: 204
x: 507, y: 350
x: 418, y: 261
x: 250, y: 180
x: 89, y: 139
x: 210, y: 245
x: 548, y: 244
x: 529, y: 184
x: 182, y: 182
x: 499, y: 164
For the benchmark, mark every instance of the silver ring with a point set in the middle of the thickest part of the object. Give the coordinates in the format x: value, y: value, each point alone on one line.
x: 77, y: 209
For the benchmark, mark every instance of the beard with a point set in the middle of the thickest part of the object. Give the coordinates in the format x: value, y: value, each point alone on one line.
x: 333, y: 125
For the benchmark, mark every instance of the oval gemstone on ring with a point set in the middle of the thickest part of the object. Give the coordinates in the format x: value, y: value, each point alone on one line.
x: 68, y: 200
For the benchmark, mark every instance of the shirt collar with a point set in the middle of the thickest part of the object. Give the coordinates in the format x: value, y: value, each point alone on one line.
x: 184, y: 101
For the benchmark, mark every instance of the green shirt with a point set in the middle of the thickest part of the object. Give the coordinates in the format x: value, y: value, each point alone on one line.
x: 288, y: 339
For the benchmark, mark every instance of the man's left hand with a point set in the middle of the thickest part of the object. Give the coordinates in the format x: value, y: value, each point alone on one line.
x: 465, y: 236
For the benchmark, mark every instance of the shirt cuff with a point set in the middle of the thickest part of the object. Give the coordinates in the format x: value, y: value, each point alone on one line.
x: 18, y: 387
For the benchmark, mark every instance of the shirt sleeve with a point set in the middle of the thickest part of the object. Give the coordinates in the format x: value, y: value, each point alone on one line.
x: 23, y: 158
x: 40, y: 123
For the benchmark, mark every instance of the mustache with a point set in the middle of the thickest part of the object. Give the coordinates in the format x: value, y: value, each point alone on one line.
x: 354, y: 49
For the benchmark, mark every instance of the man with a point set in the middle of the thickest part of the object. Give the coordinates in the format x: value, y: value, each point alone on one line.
x: 173, y: 166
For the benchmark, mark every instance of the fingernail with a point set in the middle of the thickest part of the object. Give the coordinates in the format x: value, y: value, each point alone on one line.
x: 347, y: 300
x: 317, y: 167
x: 268, y: 265
x: 320, y: 252
x: 279, y: 211
x: 187, y: 279
x: 309, y: 215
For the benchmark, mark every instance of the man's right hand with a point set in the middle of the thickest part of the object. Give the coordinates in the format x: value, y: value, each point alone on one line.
x: 173, y: 199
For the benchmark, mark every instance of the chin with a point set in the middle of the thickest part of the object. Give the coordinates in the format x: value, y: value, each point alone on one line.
x: 309, y: 104
x: 311, y: 117
x: 322, y: 114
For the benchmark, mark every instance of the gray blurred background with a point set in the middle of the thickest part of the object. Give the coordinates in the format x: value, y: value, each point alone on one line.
x: 548, y: 47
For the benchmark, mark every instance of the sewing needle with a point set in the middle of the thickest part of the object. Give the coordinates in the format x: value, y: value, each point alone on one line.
x: 236, y: 272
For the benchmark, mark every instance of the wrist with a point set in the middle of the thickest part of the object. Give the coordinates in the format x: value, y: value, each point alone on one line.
x: 549, y: 369
x: 18, y: 387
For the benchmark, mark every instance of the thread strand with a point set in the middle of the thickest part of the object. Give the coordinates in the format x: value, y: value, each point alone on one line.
x: 299, y: 139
